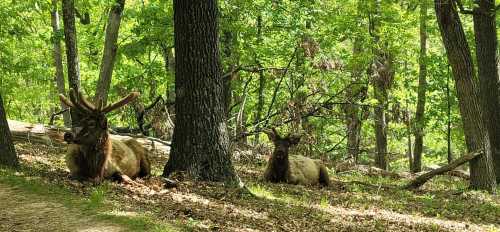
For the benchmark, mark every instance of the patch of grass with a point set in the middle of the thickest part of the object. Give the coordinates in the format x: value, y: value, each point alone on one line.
x: 261, y: 191
x: 95, y: 205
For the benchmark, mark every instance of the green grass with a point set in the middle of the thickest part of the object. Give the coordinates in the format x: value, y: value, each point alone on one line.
x: 95, y: 205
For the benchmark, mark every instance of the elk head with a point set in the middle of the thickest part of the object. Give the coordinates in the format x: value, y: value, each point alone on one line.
x: 93, y: 124
x: 281, y: 144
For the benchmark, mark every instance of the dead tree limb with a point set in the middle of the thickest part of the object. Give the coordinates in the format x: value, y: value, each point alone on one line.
x: 422, y: 179
x: 53, y: 116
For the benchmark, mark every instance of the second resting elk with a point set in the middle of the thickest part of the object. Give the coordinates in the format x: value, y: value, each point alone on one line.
x: 92, y: 154
x: 293, y: 169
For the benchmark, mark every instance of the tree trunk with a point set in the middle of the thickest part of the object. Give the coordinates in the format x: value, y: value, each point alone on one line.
x: 459, y: 56
x: 486, y: 47
x: 58, y: 63
x: 262, y: 82
x: 8, y: 155
x: 422, y: 86
x: 354, y: 94
x: 71, y: 51
x: 109, y: 53
x: 382, y: 78
x: 200, y: 143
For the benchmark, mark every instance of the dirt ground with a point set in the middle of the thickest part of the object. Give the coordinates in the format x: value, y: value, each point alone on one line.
x: 20, y: 211
x: 202, y: 206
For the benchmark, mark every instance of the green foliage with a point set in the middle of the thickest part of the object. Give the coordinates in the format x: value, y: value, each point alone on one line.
x: 308, y: 76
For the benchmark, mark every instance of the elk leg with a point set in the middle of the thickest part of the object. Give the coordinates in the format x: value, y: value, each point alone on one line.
x: 127, y: 180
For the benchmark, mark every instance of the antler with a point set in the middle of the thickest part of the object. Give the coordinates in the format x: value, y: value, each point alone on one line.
x: 85, y: 102
x: 132, y: 96
x: 73, y: 102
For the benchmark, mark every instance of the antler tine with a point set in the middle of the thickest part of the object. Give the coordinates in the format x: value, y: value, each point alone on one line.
x: 86, y: 102
x: 132, y: 96
x: 65, y: 101
x: 76, y: 103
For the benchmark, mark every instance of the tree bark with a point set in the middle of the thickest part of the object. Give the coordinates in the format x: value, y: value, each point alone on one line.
x: 262, y: 82
x: 466, y: 83
x: 71, y: 51
x: 109, y: 53
x: 200, y: 144
x: 420, y: 180
x: 382, y: 75
x: 58, y: 63
x: 354, y: 94
x: 8, y: 155
x: 422, y: 87
x: 486, y: 47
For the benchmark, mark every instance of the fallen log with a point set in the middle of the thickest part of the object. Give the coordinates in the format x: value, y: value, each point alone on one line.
x: 37, y: 133
x: 53, y: 136
x: 367, y: 170
x: 422, y: 179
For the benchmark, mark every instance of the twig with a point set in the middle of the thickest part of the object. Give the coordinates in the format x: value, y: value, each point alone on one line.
x: 52, y: 118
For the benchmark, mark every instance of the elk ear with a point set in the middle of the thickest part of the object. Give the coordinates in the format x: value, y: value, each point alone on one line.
x: 294, y: 140
x: 272, y: 134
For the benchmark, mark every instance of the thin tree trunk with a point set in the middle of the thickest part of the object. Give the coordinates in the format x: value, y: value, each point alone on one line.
x: 460, y: 58
x: 448, y: 131
x: 422, y: 86
x: 355, y: 93
x: 71, y: 51
x: 200, y: 144
x: 408, y: 134
x: 486, y: 47
x: 8, y: 155
x: 262, y: 82
x: 58, y: 63
x: 110, y: 48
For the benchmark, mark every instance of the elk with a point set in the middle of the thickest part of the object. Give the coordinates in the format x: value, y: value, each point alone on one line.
x: 92, y: 154
x: 293, y: 169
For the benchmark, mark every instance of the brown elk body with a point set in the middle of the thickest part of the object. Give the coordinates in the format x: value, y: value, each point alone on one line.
x: 92, y: 154
x: 292, y: 169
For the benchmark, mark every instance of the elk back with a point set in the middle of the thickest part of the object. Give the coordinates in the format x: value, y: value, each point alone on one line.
x: 307, y: 171
x: 125, y: 158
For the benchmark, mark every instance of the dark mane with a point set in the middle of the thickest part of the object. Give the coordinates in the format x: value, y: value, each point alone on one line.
x: 278, y: 168
x: 93, y: 158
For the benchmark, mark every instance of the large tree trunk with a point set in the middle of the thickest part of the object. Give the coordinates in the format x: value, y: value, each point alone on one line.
x: 200, y: 143
x: 459, y: 56
x: 422, y: 86
x: 71, y: 51
x: 58, y: 63
x: 110, y: 48
x: 8, y: 155
x: 382, y: 75
x: 486, y: 47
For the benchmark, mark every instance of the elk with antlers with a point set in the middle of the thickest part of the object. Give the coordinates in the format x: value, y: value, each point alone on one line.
x: 294, y: 169
x: 92, y: 154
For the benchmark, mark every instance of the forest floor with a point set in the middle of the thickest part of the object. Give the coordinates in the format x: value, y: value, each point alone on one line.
x: 25, y: 211
x: 354, y: 202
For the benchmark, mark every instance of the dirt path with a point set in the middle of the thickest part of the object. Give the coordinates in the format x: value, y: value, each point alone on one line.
x: 26, y: 212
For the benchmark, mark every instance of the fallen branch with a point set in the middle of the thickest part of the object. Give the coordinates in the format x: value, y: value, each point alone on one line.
x: 422, y: 179
x: 53, y: 117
